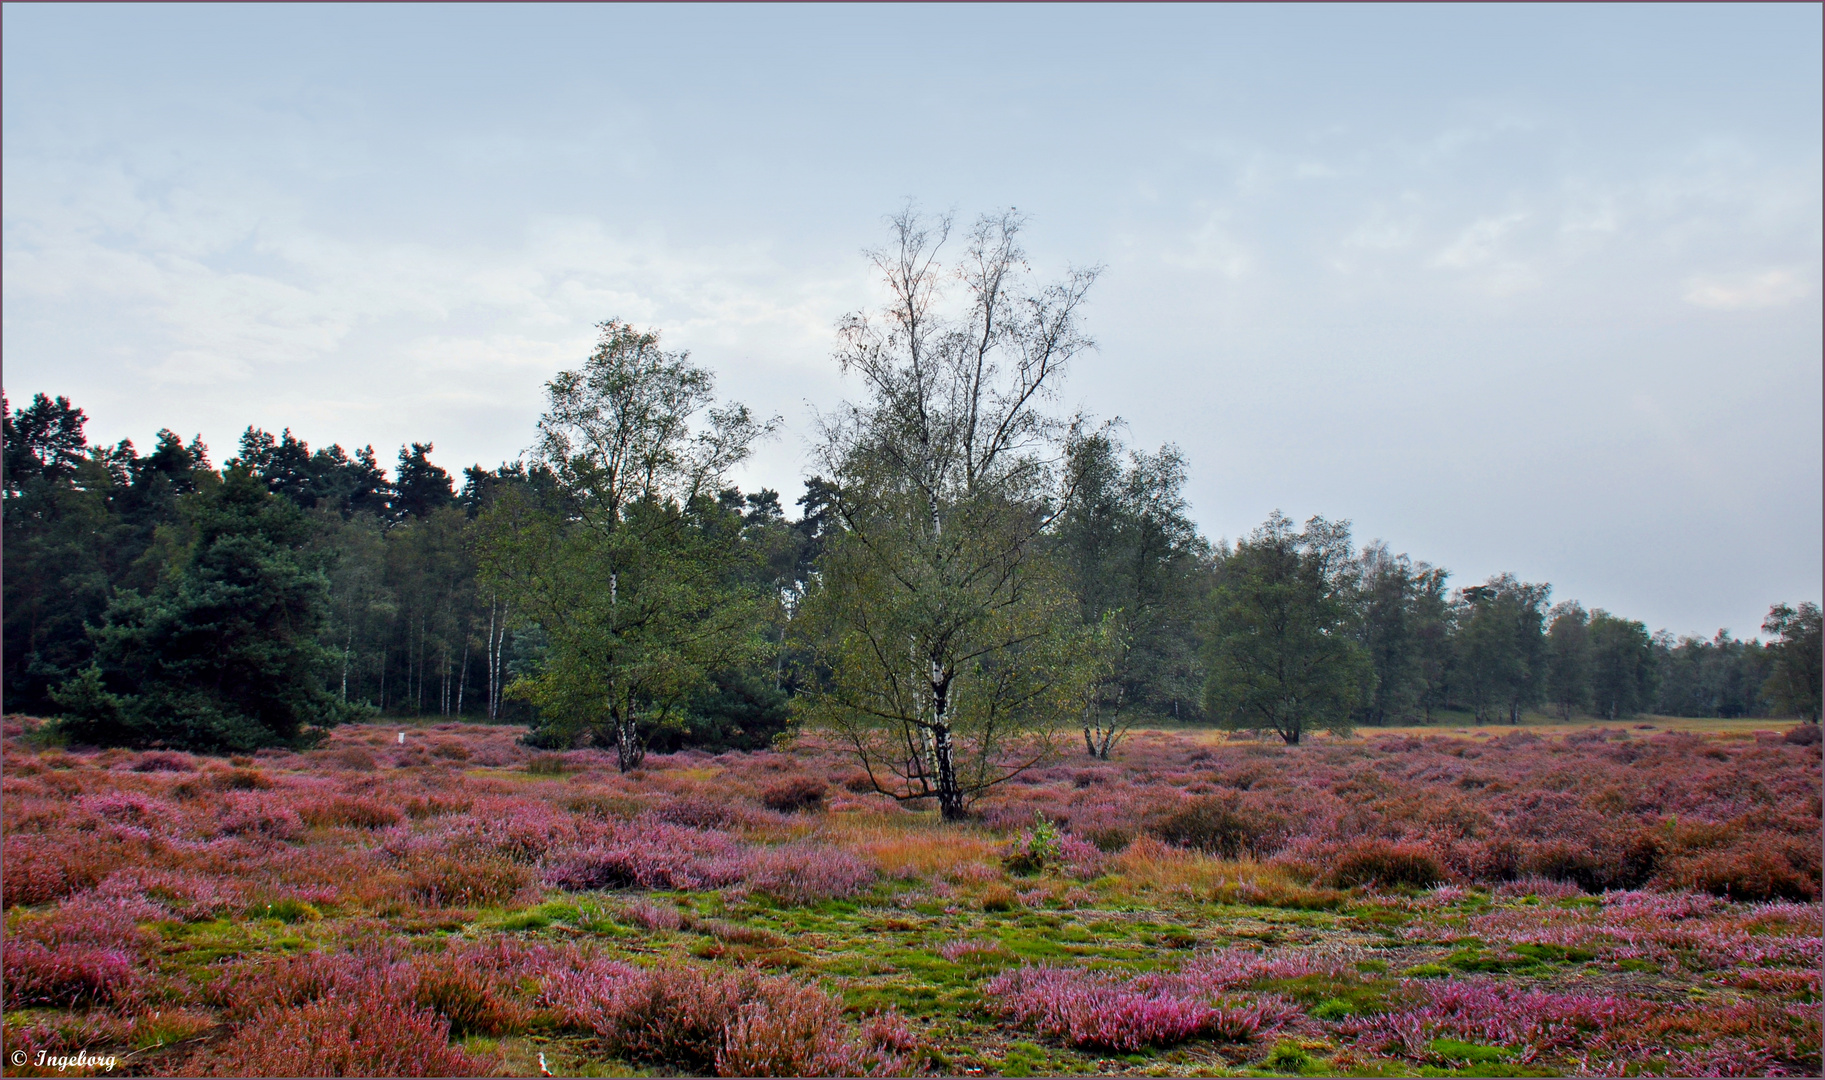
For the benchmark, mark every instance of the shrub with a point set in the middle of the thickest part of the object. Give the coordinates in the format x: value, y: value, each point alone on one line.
x: 807, y: 873
x: 787, y: 1029
x: 465, y: 997
x: 355, y: 758
x: 547, y: 765
x: 1377, y: 862
x: 164, y: 761
x: 999, y: 898
x: 1802, y: 735
x: 342, y: 1036
x: 1092, y: 1011
x: 1750, y: 874
x: 795, y: 794
x: 1220, y: 825
x: 355, y: 812
x: 248, y: 988
x: 41, y: 867
x: 455, y: 881
x: 653, y: 916
x: 68, y: 975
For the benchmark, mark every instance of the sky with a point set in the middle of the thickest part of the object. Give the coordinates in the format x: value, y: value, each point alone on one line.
x: 1532, y: 289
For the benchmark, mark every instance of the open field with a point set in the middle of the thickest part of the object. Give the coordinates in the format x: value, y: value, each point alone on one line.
x: 1515, y: 902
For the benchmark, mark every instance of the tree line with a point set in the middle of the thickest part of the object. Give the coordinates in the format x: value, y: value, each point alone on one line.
x: 972, y: 579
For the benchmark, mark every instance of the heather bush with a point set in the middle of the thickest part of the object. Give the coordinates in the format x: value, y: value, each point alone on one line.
x: 39, y: 867
x: 362, y: 1035
x: 1748, y: 874
x: 1093, y: 1011
x: 649, y: 853
x: 448, y: 880
x: 353, y: 812
x: 794, y: 794
x: 1220, y: 825
x: 164, y: 761
x: 806, y: 873
x: 653, y: 916
x: 786, y: 1029
x: 1376, y: 862
x: 68, y: 975
x: 466, y: 997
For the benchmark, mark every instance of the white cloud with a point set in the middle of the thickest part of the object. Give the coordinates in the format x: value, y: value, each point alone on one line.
x: 1770, y: 288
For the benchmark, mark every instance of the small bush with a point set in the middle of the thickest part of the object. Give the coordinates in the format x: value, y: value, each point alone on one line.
x: 1803, y: 735
x: 40, y: 867
x: 453, y: 881
x: 1220, y: 825
x: 466, y: 998
x: 352, y: 812
x: 798, y: 793
x: 354, y: 758
x: 1753, y: 875
x: 807, y: 873
x: 68, y: 975
x: 337, y: 1036
x: 999, y: 898
x: 547, y: 765
x: 1377, y: 862
x: 787, y: 1029
x: 164, y: 761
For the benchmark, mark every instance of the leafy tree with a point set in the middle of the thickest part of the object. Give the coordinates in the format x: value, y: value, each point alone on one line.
x: 632, y: 573
x: 1282, y: 650
x: 223, y: 654
x: 1135, y: 562
x: 1622, y: 665
x: 1568, y: 658
x: 1793, y: 685
x: 1395, y: 594
x: 1501, y: 646
x: 944, y: 639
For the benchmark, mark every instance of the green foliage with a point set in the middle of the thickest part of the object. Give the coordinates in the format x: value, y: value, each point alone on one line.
x: 1793, y: 687
x: 223, y: 654
x: 633, y: 571
x: 1136, y: 563
x: 1622, y: 665
x: 947, y: 648
x: 1280, y: 653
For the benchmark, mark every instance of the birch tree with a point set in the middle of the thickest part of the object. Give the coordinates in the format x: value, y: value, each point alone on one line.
x: 625, y: 566
x: 944, y: 634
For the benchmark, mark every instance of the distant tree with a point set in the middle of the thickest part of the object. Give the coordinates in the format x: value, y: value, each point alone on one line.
x: 327, y: 479
x: 1133, y: 558
x: 419, y: 487
x: 1501, y: 646
x: 1568, y: 659
x: 941, y: 633
x: 1622, y: 665
x: 631, y: 574
x: 1282, y: 650
x: 1793, y: 686
x: 224, y: 653
x: 1395, y: 612
x: 43, y: 440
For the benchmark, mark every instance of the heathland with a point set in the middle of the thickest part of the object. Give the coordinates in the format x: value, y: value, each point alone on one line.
x: 1538, y: 900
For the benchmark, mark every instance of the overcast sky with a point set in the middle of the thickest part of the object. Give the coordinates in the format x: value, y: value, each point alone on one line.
x: 1530, y: 289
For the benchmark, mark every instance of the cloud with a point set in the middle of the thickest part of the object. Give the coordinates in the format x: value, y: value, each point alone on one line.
x: 1770, y: 288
